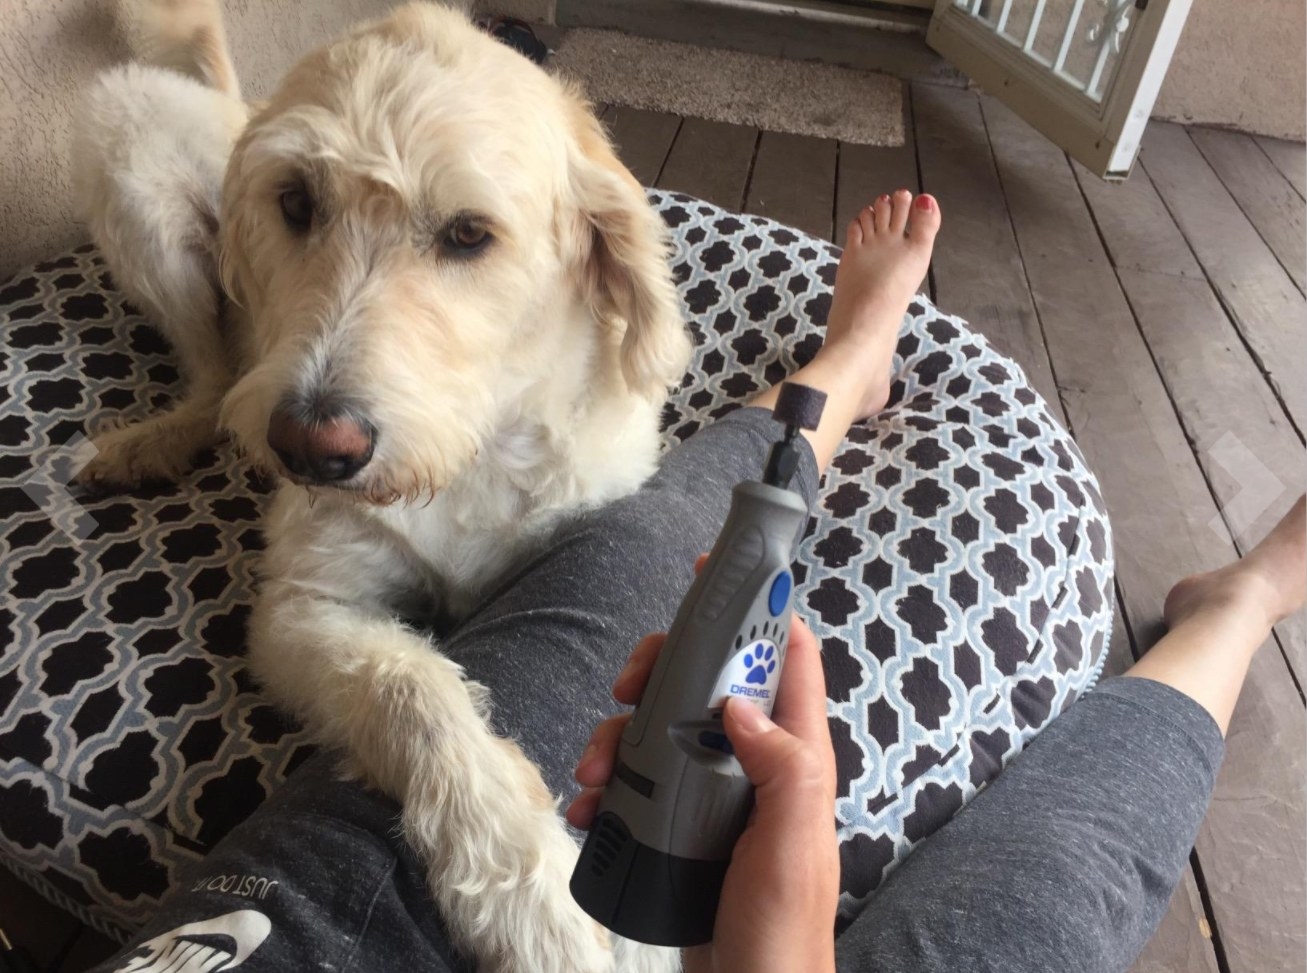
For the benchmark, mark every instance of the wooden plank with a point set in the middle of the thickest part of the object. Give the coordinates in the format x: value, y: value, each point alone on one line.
x: 1266, y: 198
x: 1263, y: 302
x: 866, y: 171
x: 1136, y: 226
x: 1290, y: 158
x: 1120, y: 651
x: 977, y: 265
x: 711, y: 160
x: 1230, y: 417
x: 643, y: 139
x: 39, y: 926
x: 1215, y: 386
x: 1251, y: 845
x: 794, y: 182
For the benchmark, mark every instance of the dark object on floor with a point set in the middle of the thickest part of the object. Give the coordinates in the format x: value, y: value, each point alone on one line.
x: 14, y: 959
x: 518, y: 35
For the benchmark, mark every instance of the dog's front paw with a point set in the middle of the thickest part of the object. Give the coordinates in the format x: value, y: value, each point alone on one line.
x: 531, y: 922
x: 545, y: 930
x: 156, y: 449
x: 555, y: 936
x: 500, y: 876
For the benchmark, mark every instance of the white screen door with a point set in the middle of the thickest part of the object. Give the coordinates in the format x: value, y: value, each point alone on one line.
x: 1083, y: 72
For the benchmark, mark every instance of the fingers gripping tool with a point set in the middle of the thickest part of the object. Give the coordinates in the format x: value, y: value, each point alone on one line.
x: 653, y: 864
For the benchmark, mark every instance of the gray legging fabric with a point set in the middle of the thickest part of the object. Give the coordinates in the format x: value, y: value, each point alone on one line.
x: 1065, y: 862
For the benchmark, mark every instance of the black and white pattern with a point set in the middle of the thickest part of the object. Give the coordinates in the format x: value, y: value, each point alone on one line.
x: 957, y: 572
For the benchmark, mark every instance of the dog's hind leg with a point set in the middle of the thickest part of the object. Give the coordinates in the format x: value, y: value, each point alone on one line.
x: 186, y: 36
x: 475, y: 809
x: 149, y: 152
x: 161, y: 447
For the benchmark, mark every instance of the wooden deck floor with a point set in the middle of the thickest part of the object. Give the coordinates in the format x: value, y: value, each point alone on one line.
x: 1165, y: 319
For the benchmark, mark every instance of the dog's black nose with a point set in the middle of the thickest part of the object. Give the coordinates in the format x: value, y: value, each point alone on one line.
x: 324, y: 451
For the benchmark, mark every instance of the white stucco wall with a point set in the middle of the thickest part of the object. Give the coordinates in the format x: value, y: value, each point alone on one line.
x: 1241, y: 64
x: 50, y: 49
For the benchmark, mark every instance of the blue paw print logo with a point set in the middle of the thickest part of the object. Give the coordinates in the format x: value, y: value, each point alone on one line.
x: 761, y: 662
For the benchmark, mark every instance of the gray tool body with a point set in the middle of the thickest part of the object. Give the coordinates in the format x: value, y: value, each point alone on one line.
x: 653, y: 864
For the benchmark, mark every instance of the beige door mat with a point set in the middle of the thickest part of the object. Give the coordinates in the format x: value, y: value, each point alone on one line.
x: 770, y: 93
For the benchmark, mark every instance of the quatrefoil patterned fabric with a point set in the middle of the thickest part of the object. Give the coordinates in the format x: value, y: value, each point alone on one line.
x: 957, y: 571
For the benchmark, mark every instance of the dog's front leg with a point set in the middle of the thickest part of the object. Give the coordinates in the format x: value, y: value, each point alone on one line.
x: 474, y: 808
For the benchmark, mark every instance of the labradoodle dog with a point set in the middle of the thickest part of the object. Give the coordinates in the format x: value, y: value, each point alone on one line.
x: 437, y: 306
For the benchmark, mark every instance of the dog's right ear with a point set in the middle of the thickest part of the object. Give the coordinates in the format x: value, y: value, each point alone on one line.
x: 233, y: 269
x: 242, y: 234
x: 618, y: 247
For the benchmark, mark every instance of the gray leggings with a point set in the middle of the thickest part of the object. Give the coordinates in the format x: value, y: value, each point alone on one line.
x: 1066, y: 862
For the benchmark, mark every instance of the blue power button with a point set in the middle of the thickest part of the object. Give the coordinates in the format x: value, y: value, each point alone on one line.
x: 780, y: 593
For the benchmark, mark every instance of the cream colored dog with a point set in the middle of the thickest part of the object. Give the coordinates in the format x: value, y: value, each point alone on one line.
x: 456, y: 324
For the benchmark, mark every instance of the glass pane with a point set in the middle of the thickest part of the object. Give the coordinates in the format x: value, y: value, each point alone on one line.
x: 986, y: 11
x: 1015, y: 26
x: 1095, y: 49
x: 1060, y: 20
x: 1080, y: 40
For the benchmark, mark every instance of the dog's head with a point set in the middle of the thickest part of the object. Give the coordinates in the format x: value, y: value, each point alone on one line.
x: 427, y: 231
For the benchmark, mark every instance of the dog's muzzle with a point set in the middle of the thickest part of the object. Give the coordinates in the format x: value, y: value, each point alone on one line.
x: 326, y: 450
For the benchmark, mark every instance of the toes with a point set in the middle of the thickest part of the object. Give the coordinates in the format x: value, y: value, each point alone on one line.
x: 867, y: 220
x: 900, y: 205
x: 881, y: 210
x: 854, y: 235
x: 924, y: 221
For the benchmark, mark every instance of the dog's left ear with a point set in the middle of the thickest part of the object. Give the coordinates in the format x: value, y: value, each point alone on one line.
x: 619, y: 248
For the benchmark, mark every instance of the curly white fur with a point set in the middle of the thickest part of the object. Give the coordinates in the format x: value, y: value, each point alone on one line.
x: 506, y: 388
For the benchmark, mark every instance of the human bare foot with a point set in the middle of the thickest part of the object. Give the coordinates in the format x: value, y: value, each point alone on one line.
x: 886, y: 253
x: 1270, y: 581
x: 885, y: 257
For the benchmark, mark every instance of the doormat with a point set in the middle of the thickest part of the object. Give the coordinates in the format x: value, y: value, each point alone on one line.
x: 771, y: 93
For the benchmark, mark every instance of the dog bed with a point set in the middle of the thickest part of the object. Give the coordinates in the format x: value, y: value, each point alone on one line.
x: 957, y: 571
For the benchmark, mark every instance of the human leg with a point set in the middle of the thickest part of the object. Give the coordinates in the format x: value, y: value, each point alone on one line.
x: 887, y: 250
x: 1218, y: 620
x: 1068, y: 860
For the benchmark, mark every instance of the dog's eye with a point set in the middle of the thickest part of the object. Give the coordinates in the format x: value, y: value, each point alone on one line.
x: 297, y: 208
x: 467, y: 235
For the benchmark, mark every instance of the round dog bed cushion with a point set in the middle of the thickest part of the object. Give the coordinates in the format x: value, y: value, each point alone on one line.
x: 957, y: 571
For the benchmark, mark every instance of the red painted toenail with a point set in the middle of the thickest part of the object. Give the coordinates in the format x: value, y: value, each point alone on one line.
x: 923, y: 202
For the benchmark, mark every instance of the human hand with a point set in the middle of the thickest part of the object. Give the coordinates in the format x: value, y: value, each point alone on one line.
x: 777, y: 910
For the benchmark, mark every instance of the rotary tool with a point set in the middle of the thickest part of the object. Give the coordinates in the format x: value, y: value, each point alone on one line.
x: 653, y: 864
